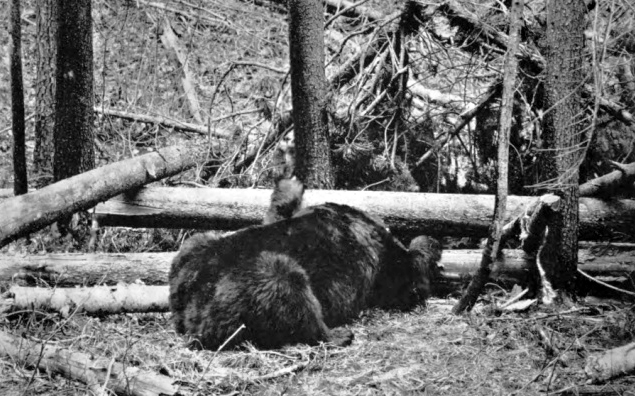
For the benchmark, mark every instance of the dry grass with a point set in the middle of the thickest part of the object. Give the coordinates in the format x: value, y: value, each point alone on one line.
x: 427, y: 352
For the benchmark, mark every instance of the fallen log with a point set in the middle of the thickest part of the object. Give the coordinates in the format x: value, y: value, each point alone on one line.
x: 96, y: 300
x: 458, y: 266
x: 72, y: 269
x: 618, y: 361
x: 616, y: 182
x: 94, y: 372
x: 407, y: 213
x: 27, y: 213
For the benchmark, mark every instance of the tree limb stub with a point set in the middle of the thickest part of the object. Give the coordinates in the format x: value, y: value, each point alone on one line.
x: 27, y: 213
x: 420, y: 213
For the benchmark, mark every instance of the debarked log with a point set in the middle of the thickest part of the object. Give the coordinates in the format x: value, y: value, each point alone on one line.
x: 97, y: 373
x: 410, y: 213
x: 95, y: 300
x: 73, y: 269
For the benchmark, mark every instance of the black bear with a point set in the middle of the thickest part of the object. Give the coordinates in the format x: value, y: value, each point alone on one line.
x: 293, y: 280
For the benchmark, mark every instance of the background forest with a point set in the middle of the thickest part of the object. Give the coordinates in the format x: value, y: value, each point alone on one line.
x: 414, y: 98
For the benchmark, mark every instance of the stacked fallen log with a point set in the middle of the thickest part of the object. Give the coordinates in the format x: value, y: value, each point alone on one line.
x: 413, y: 213
x: 606, y: 262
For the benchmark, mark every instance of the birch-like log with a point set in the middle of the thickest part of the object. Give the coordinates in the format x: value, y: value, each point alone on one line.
x: 96, y: 300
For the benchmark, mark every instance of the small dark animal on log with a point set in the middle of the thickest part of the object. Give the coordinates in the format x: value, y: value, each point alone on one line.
x: 291, y: 281
x: 286, y: 200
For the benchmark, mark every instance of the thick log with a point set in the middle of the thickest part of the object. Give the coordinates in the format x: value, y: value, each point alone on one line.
x: 123, y: 380
x: 412, y: 213
x: 152, y: 268
x: 28, y: 213
x: 96, y: 300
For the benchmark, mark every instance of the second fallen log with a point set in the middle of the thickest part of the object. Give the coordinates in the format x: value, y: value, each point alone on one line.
x: 73, y: 269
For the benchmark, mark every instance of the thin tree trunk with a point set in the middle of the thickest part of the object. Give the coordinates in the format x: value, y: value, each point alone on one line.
x: 20, y: 184
x: 308, y: 87
x: 493, y: 247
x: 46, y: 54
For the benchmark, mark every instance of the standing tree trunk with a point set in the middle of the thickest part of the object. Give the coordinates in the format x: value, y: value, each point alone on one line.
x: 46, y: 53
x: 20, y: 185
x: 562, y: 135
x: 308, y: 88
x: 493, y: 246
x: 74, y: 150
x: 73, y: 130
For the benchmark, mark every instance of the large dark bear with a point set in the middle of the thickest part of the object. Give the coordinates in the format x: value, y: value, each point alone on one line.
x: 291, y: 281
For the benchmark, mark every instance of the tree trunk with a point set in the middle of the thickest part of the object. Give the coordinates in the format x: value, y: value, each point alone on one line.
x: 27, y: 213
x: 561, y: 134
x: 46, y: 53
x: 308, y: 88
x: 20, y: 184
x: 74, y: 150
x: 406, y: 213
x: 493, y: 246
x: 77, y: 366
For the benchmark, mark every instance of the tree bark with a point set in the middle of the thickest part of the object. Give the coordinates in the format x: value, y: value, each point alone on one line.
x: 308, y: 88
x: 96, y: 300
x: 20, y: 183
x: 493, y: 246
x: 410, y: 213
x: 78, y: 269
x: 46, y: 14
x: 562, y: 130
x: 27, y: 213
x: 73, y: 132
x: 123, y: 380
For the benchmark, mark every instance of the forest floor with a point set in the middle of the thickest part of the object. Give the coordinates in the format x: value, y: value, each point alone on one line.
x: 427, y: 351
